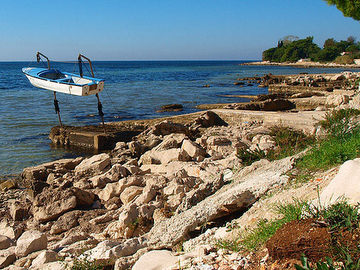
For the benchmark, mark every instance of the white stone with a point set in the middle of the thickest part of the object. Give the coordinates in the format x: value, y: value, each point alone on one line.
x: 7, y: 257
x: 192, y: 149
x: 44, y: 257
x: 115, y: 189
x: 345, y: 185
x: 53, y: 266
x: 96, y: 163
x: 29, y: 242
x: 336, y: 100
x: 130, y: 193
x: 155, y: 260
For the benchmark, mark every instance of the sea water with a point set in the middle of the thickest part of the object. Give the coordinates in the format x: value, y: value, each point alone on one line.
x: 133, y: 90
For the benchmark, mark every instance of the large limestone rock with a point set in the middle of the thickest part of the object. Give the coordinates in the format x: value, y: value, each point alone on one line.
x: 41, y: 172
x: 115, y: 189
x: 52, y: 203
x: 167, y: 127
x: 209, y: 119
x: 65, y: 222
x: 193, y: 150
x: 8, y: 184
x: 108, y: 251
x: 156, y: 260
x: 13, y: 232
x: 232, y: 197
x: 345, y: 185
x: 29, y: 242
x: 95, y: 164
x: 130, y: 193
x: 7, y: 257
x: 53, y: 266
x: 336, y: 100
x: 44, y: 257
x: 355, y: 102
x: 5, y: 242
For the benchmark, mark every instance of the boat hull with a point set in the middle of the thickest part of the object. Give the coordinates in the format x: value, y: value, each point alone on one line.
x: 79, y: 86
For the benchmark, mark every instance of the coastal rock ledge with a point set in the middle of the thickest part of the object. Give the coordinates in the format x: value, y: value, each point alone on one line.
x: 173, y: 185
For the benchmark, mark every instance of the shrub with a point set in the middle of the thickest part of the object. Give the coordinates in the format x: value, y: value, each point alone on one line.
x: 248, y: 157
x: 288, y: 142
x: 344, y: 60
x: 339, y: 123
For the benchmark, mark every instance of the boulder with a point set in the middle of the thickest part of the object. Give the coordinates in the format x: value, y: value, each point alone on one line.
x: 65, y: 222
x: 171, y: 108
x: 234, y: 197
x: 345, y: 185
x: 130, y: 193
x: 27, y: 260
x: 336, y: 100
x: 102, y: 252
x: 147, y: 195
x: 170, y: 141
x: 124, y: 226
x: 117, y: 172
x: 8, y: 184
x: 94, y: 165
x: 7, y: 257
x: 156, y: 260
x: 115, y: 189
x: 193, y: 150
x: 18, y: 210
x: 13, y: 232
x: 52, y: 203
x: 209, y: 119
x: 355, y: 102
x: 44, y: 257
x: 54, y: 266
x: 29, y: 242
x: 167, y: 127
x: 5, y: 242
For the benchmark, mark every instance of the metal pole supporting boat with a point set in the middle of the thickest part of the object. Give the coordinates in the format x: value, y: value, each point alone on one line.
x: 57, y: 109
x: 97, y: 95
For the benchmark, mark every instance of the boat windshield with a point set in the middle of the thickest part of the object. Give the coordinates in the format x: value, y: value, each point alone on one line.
x: 52, y: 74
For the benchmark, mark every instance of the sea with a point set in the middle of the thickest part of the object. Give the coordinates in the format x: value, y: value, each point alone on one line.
x: 133, y: 90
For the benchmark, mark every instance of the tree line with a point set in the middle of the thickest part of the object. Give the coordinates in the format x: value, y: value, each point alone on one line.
x: 292, y: 49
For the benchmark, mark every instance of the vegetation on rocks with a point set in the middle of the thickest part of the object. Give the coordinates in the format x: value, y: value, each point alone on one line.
x: 267, y: 228
x: 341, y: 52
x: 341, y: 143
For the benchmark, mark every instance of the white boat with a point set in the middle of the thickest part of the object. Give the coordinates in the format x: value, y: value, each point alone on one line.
x: 64, y: 82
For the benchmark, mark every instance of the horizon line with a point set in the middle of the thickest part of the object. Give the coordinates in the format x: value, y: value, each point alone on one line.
x: 137, y: 60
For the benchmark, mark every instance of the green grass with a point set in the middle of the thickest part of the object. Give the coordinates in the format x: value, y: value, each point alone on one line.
x: 342, y: 142
x: 288, y: 142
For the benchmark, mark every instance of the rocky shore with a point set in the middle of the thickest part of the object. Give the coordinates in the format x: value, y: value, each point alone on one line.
x: 302, y: 64
x: 163, y: 198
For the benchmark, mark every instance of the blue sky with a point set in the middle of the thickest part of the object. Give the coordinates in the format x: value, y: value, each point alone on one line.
x: 163, y: 29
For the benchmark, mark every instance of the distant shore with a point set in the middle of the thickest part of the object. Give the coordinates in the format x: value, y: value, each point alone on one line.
x: 301, y: 64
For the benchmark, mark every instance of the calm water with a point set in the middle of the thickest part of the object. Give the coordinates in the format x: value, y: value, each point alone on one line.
x: 133, y: 90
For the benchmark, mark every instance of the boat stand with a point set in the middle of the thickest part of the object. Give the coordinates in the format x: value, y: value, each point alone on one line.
x: 57, y: 109
x: 100, y: 111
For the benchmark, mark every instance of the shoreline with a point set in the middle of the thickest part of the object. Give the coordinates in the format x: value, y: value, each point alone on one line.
x: 155, y: 190
x: 301, y: 64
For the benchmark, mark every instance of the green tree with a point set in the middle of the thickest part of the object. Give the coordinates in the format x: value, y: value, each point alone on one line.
x: 350, y: 8
x: 330, y: 42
